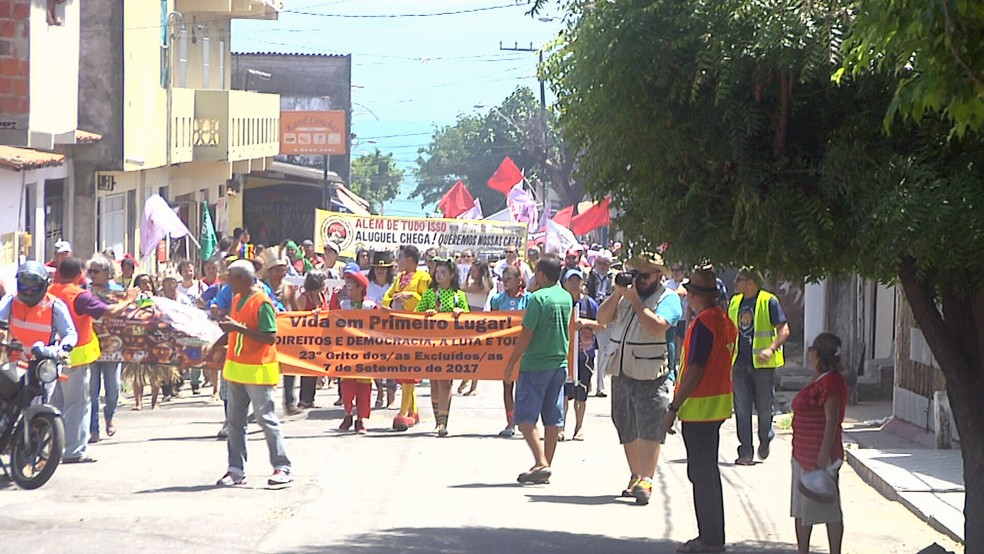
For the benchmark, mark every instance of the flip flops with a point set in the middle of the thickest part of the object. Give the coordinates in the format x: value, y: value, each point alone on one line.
x: 536, y: 476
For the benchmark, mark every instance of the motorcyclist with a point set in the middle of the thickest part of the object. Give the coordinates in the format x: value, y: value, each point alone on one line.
x: 33, y: 314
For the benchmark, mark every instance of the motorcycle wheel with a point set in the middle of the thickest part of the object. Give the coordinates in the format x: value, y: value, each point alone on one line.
x: 32, y: 464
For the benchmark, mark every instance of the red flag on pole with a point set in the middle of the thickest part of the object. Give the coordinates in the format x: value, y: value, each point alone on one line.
x: 594, y: 217
x: 564, y: 217
x: 506, y: 177
x: 456, y: 201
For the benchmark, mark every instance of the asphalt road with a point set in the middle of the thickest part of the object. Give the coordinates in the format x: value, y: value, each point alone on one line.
x: 152, y: 490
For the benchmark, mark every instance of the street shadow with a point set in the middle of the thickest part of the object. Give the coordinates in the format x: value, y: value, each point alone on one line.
x: 185, y: 488
x: 515, y: 541
x: 486, y: 486
x: 578, y: 500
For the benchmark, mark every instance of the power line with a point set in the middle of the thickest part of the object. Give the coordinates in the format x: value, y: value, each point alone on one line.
x: 398, y: 15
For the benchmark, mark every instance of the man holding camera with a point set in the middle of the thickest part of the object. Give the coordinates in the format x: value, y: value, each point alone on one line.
x: 638, y: 313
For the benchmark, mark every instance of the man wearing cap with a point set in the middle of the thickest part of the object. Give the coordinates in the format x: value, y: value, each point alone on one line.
x: 637, y: 316
x: 702, y: 402
x: 599, y: 285
x: 63, y: 249
x: 332, y: 266
x: 585, y: 321
x: 311, y: 260
x: 762, y: 329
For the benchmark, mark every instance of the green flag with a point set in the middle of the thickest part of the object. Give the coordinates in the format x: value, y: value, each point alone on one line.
x: 207, y: 238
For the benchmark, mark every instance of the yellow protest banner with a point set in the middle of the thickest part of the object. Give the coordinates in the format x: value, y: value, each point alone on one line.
x: 397, y: 345
x: 374, y: 232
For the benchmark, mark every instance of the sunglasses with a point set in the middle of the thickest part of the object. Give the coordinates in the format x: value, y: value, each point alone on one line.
x: 94, y: 271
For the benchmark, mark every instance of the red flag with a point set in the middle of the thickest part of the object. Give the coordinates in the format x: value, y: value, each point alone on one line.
x: 592, y: 218
x: 506, y: 177
x: 564, y: 217
x: 456, y: 201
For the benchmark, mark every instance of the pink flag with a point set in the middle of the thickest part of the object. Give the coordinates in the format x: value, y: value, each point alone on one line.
x: 522, y: 206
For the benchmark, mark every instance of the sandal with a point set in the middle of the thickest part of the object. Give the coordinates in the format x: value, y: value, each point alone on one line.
x: 536, y: 476
x: 696, y: 545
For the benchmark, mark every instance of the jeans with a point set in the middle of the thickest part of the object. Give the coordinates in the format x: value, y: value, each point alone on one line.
x: 754, y: 388
x: 72, y: 398
x: 671, y: 351
x: 100, y: 372
x: 702, y: 438
x: 262, y: 398
x: 309, y: 385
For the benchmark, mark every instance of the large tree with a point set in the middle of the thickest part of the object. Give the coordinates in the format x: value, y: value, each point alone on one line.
x: 473, y: 148
x: 376, y: 177
x: 716, y: 126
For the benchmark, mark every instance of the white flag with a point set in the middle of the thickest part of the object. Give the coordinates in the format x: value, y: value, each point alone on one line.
x: 559, y: 239
x: 474, y: 213
x: 159, y: 221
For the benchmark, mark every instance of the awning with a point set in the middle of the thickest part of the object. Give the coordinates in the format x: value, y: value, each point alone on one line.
x: 351, y: 201
x: 20, y: 159
x: 86, y: 137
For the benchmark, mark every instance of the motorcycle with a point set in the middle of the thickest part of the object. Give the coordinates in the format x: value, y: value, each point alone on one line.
x: 32, y: 433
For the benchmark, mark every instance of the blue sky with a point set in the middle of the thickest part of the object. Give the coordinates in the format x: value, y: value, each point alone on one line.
x: 412, y: 73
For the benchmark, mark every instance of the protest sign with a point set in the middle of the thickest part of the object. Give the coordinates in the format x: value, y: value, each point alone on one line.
x: 354, y: 232
x: 397, y: 345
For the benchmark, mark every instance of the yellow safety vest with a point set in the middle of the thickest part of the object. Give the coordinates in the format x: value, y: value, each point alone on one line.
x: 764, y: 332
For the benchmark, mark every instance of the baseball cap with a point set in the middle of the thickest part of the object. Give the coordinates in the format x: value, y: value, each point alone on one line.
x: 352, y: 270
x: 63, y: 246
x: 307, y: 242
x: 334, y: 246
x: 573, y: 273
x: 574, y: 251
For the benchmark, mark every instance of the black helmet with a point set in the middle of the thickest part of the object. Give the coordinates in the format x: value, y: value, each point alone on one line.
x: 32, y: 282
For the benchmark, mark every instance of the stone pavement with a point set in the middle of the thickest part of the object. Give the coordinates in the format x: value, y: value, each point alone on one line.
x: 929, y: 482
x: 152, y: 490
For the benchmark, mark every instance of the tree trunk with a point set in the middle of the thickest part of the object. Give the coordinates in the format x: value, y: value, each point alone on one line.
x: 956, y: 343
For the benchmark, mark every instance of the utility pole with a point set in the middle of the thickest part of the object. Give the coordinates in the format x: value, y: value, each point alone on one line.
x: 545, y: 193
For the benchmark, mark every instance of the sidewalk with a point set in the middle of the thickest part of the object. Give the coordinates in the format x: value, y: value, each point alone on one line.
x: 929, y: 482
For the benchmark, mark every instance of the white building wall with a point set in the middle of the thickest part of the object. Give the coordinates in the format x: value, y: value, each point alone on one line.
x: 54, y: 85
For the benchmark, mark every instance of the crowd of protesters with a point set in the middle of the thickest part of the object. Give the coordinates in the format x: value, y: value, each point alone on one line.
x: 674, y: 344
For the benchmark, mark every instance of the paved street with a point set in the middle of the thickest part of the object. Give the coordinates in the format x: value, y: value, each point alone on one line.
x: 151, y: 490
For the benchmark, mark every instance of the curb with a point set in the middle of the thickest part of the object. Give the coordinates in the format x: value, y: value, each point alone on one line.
x: 876, y: 482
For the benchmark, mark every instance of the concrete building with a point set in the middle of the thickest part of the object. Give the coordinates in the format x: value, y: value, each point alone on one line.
x: 39, y: 76
x: 156, y: 83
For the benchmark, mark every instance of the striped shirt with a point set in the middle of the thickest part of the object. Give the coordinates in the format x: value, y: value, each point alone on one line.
x: 809, y: 419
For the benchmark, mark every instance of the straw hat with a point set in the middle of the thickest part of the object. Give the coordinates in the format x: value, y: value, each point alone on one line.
x: 648, y: 261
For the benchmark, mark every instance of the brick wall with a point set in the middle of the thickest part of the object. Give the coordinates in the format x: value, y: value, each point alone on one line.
x: 14, y: 64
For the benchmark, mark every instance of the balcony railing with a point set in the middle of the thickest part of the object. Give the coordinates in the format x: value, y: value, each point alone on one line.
x: 253, y: 9
x: 234, y: 125
x: 182, y: 125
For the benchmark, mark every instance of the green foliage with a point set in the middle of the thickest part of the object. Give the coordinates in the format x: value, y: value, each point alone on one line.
x: 715, y: 126
x: 473, y: 148
x: 376, y: 178
x: 935, y: 49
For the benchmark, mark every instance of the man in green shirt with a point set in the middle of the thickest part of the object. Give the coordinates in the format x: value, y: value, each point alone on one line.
x: 543, y: 346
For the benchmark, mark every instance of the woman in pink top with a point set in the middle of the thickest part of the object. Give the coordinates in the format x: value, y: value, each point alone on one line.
x: 818, y: 411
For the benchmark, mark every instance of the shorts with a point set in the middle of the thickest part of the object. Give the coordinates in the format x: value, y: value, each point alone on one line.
x: 809, y: 511
x: 638, y: 408
x: 539, y: 394
x: 579, y: 390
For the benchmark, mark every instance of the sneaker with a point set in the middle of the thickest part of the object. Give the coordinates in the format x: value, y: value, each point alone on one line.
x: 627, y: 492
x: 642, y: 490
x: 293, y: 410
x: 338, y: 402
x: 744, y: 461
x: 280, y: 477
x: 346, y: 423
x: 231, y: 480
x: 763, y: 450
x: 360, y: 427
x: 508, y: 432
x: 223, y: 433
